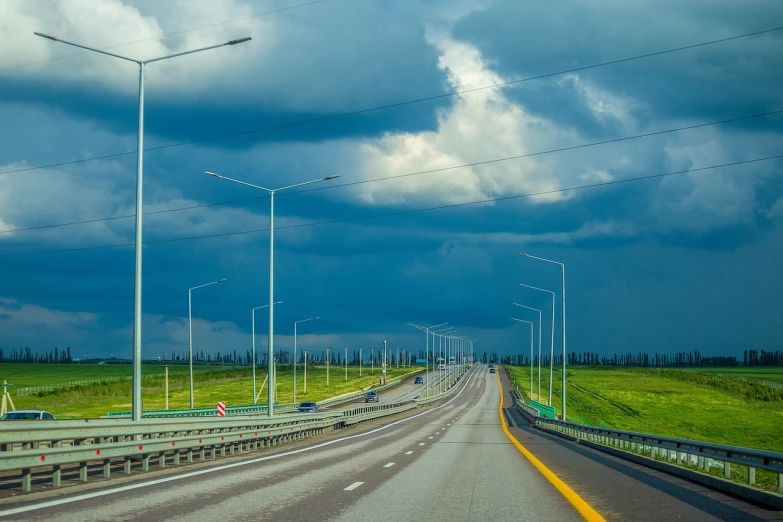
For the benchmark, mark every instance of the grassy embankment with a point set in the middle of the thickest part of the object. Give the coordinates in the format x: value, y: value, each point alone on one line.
x: 212, y: 384
x: 692, y: 405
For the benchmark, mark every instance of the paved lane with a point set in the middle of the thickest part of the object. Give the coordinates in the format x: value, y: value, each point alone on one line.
x: 397, y: 470
x: 622, y: 490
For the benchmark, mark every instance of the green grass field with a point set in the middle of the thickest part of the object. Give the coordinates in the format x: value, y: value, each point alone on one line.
x: 231, y: 385
x: 671, y: 402
x: 768, y: 373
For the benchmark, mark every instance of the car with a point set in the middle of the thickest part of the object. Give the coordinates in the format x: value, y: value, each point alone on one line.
x: 372, y: 397
x: 307, y: 407
x: 27, y: 415
x: 418, y: 380
x: 492, y: 370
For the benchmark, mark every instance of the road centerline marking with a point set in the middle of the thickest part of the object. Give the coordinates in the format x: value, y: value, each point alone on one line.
x: 353, y: 486
x: 421, y: 444
x: 408, y: 452
x: 390, y: 464
x: 585, y: 509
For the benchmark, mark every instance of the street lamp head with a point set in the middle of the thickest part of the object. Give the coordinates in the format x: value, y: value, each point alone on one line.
x: 45, y: 36
x: 239, y: 40
x: 222, y: 280
x: 214, y: 175
x: 334, y: 176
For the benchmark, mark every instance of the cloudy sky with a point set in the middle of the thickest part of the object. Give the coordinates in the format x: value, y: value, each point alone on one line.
x: 438, y: 194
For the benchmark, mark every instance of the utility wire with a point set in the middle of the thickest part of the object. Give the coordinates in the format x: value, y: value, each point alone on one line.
x: 405, y: 212
x: 393, y: 105
x: 161, y: 37
x: 386, y: 178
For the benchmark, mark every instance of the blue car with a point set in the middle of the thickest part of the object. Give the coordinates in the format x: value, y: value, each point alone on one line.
x: 418, y: 380
x: 372, y: 397
x: 307, y: 407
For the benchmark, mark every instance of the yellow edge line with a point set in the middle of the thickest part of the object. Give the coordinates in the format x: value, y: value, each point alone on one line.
x: 585, y: 509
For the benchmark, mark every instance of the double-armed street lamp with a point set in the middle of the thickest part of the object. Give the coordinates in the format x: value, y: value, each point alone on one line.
x: 271, y: 192
x: 136, y: 393
x: 190, y: 332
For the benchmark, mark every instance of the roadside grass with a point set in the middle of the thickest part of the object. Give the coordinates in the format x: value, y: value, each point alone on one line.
x: 768, y: 373
x: 670, y: 402
x: 231, y: 385
x: 21, y: 375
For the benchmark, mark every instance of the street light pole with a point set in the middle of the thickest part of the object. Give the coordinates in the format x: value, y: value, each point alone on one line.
x: 552, y: 339
x: 296, y: 323
x: 271, y: 193
x: 136, y: 392
x: 531, y: 351
x: 327, y: 366
x: 539, y: 345
x: 360, y: 361
x: 190, y: 332
x: 253, y: 335
x: 346, y: 363
x: 305, y: 352
x: 563, y: 300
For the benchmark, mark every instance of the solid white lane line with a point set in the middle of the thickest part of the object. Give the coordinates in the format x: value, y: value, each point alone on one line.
x: 130, y: 487
x: 408, y: 452
x: 390, y: 464
x: 353, y: 486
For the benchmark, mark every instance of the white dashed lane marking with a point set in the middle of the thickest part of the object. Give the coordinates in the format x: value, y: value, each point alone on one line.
x: 353, y: 486
x: 408, y: 452
x: 390, y: 464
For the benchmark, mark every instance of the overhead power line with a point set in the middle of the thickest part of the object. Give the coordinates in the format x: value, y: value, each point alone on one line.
x: 386, y: 178
x: 161, y: 37
x: 392, y: 105
x: 406, y: 212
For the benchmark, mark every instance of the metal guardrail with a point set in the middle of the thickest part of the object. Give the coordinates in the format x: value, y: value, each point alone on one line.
x: 682, y: 452
x: 28, y: 445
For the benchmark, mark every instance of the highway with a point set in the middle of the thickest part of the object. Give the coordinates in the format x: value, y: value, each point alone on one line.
x: 453, y: 462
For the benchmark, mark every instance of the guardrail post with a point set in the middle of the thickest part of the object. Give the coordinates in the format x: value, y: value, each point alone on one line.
x: 145, y: 462
x: 106, y: 468
x: 83, y: 471
x: 212, y: 453
x: 162, y: 459
x: 27, y: 479
x: 751, y: 475
x: 176, y: 458
x: 56, y: 476
x: 727, y: 469
x: 126, y: 465
x: 190, y: 455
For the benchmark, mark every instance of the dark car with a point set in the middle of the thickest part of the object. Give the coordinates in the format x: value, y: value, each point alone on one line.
x: 307, y: 407
x: 27, y: 415
x: 492, y: 370
x: 418, y: 380
x: 372, y: 397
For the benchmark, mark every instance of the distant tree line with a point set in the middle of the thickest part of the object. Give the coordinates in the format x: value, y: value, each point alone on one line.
x: 762, y: 358
x: 26, y: 355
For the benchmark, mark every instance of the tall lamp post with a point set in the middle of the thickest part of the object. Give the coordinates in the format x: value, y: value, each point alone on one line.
x: 136, y: 393
x: 346, y: 362
x: 296, y: 323
x: 531, y: 350
x: 327, y: 367
x: 190, y: 332
x: 539, y: 345
x: 271, y: 193
x: 551, y: 339
x: 563, y: 300
x: 305, y: 352
x: 253, y: 335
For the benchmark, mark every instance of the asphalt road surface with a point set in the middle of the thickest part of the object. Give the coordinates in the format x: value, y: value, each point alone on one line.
x: 450, y: 463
